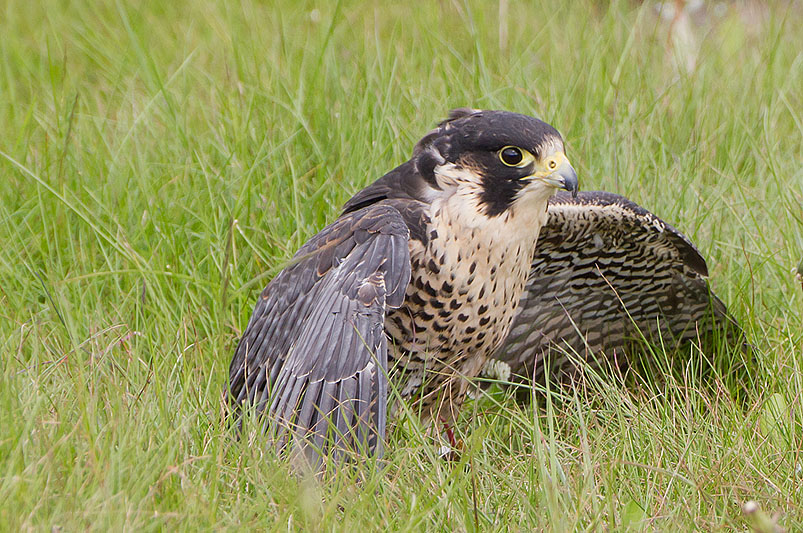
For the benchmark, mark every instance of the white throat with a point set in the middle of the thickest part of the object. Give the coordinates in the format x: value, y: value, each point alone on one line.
x: 459, y: 204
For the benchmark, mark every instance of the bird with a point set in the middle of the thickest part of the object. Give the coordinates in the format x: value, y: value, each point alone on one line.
x: 607, y: 277
x: 406, y: 295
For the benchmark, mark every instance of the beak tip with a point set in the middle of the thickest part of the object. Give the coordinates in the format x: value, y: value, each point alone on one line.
x: 570, y: 182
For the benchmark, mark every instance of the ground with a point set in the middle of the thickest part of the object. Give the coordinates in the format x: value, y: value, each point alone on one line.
x: 160, y: 161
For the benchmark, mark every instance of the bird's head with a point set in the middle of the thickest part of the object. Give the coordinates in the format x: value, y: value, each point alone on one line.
x: 500, y: 159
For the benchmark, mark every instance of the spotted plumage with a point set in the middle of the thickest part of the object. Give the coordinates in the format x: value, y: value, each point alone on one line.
x: 476, y: 278
x: 416, y: 283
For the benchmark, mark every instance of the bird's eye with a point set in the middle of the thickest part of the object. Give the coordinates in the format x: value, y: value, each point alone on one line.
x: 511, y: 156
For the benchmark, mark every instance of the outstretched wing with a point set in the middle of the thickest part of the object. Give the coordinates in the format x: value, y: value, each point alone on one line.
x: 313, y: 358
x: 607, y: 274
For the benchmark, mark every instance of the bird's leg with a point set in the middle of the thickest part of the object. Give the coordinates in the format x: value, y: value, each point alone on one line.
x: 455, y: 446
x: 449, y: 433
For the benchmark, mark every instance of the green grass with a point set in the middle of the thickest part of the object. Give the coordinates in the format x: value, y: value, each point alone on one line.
x: 161, y: 161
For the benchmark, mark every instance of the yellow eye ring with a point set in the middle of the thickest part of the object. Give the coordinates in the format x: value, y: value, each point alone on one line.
x: 513, y: 156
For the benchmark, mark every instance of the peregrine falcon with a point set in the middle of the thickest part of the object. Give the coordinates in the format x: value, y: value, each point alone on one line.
x: 412, y: 289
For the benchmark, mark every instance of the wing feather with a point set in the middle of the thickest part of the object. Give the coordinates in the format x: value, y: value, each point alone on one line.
x: 314, y: 352
x: 606, y: 274
x: 311, y: 401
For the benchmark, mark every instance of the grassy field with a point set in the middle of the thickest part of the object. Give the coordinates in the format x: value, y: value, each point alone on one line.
x: 160, y: 161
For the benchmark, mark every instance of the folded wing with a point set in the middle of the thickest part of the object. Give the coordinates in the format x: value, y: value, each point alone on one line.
x: 313, y: 358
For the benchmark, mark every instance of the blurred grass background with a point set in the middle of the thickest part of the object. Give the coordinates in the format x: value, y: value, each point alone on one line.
x: 160, y: 161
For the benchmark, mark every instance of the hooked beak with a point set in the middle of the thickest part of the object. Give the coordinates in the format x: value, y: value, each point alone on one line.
x: 566, y: 173
x: 564, y: 177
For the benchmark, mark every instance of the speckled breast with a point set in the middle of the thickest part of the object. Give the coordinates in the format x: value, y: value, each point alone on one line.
x: 459, y: 307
